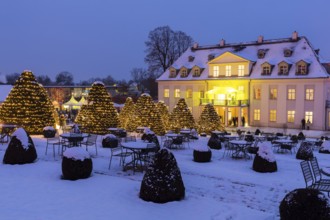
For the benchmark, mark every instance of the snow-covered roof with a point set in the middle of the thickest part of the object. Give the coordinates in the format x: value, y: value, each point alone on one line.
x: 5, y: 90
x: 302, y: 50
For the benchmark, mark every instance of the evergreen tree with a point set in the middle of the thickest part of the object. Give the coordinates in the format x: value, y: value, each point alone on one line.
x: 181, y: 117
x: 28, y: 105
x: 164, y: 113
x: 99, y: 113
x: 209, y: 120
x: 126, y: 116
x: 147, y: 114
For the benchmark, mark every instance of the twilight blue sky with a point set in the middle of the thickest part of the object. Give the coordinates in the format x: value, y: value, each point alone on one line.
x: 96, y: 38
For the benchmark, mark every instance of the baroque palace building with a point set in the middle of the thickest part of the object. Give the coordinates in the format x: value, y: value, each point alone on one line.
x: 271, y: 83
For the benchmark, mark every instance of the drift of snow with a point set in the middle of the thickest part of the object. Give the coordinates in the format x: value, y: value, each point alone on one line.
x: 98, y: 83
x: 265, y: 151
x: 326, y: 145
x: 22, y: 136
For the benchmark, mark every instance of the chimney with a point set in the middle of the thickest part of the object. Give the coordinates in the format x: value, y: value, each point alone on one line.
x: 222, y: 43
x: 260, y: 39
x: 295, y: 35
x: 195, y: 46
x: 317, y: 51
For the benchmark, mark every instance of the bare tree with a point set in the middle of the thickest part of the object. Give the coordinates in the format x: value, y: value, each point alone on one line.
x: 44, y: 80
x: 64, y: 79
x: 11, y: 78
x: 164, y: 46
x: 138, y: 74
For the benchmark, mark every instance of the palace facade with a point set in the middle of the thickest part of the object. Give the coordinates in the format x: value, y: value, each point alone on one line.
x: 273, y: 83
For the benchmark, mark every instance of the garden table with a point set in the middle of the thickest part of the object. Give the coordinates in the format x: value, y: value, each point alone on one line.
x: 73, y: 138
x: 137, y: 147
x: 240, y: 148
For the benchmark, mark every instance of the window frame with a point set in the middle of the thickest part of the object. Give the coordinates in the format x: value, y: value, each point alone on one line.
x: 166, y: 93
x: 309, y: 94
x: 177, y: 93
x: 216, y: 71
x: 228, y: 70
x: 272, y: 115
x: 309, y: 116
x: 291, y: 116
x: 241, y: 70
x: 271, y: 94
x: 256, y: 114
x: 291, y: 93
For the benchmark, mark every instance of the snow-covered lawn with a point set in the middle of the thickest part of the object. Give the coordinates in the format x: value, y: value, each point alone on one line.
x: 225, y: 188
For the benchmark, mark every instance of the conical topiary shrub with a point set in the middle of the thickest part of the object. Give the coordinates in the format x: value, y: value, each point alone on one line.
x: 21, y: 149
x: 202, y: 153
x: 304, y: 204
x: 162, y: 182
x: 264, y: 161
x: 305, y: 151
x: 76, y: 164
x: 214, y: 142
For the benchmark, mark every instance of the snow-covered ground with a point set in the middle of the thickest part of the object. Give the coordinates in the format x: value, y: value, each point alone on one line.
x: 225, y: 188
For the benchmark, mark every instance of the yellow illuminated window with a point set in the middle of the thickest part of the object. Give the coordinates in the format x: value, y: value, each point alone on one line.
x: 256, y: 115
x: 257, y: 93
x: 228, y: 70
x: 273, y: 93
x: 216, y: 71
x: 291, y: 116
x: 309, y: 94
x: 177, y: 93
x: 189, y: 93
x: 309, y: 117
x: 272, y: 115
x: 240, y: 70
x: 196, y: 72
x: 291, y: 94
x: 166, y: 93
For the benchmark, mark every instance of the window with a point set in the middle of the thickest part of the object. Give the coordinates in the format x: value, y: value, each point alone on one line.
x: 240, y: 70
x: 201, y: 94
x: 291, y: 94
x: 266, y: 70
x: 301, y: 69
x: 256, y: 115
x: 273, y: 93
x: 172, y: 73
x: 184, y: 73
x: 189, y: 93
x: 216, y: 71
x: 166, y: 93
x: 177, y: 93
x: 291, y: 116
x: 283, y: 70
x: 309, y: 94
x: 309, y: 117
x: 228, y: 70
x: 257, y: 93
x: 196, y: 72
x: 272, y: 115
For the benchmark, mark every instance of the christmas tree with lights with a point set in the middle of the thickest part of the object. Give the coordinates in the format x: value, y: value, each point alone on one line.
x: 99, y: 114
x: 209, y: 120
x: 28, y: 105
x: 147, y: 115
x: 164, y: 113
x: 126, y: 116
x: 181, y: 117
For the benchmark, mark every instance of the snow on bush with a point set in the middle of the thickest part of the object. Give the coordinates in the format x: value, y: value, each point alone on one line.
x: 325, y: 145
x: 110, y: 136
x: 145, y: 94
x: 98, y: 82
x: 21, y: 135
x: 202, y: 148
x: 265, y: 151
x: 49, y: 128
x: 76, y: 153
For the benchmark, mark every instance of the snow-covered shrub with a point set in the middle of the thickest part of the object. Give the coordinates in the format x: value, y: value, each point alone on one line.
x: 264, y: 161
x: 214, y: 142
x: 304, y: 204
x: 49, y: 132
x: 20, y: 149
x: 325, y: 147
x: 202, y: 153
x: 162, y: 181
x: 305, y: 151
x: 76, y: 164
x: 110, y: 141
x: 301, y: 136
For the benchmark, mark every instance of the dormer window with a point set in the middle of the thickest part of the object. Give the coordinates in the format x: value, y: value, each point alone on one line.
x: 216, y: 71
x: 288, y: 52
x: 196, y: 72
x: 266, y: 69
x: 301, y: 68
x: 183, y: 72
x: 172, y: 72
x: 261, y: 53
x: 283, y: 68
